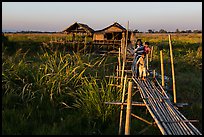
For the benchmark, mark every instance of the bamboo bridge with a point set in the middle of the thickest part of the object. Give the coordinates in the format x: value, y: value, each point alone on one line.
x: 165, y: 113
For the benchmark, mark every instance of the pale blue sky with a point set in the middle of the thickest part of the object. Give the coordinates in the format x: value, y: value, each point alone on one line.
x: 56, y: 16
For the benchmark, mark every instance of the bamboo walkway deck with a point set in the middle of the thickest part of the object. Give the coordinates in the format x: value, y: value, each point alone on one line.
x: 165, y: 114
x: 167, y: 117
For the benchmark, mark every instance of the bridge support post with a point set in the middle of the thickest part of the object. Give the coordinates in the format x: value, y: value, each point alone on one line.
x: 154, y: 74
x: 121, y: 111
x: 162, y: 67
x: 151, y: 55
x: 172, y: 68
x: 147, y: 61
x: 128, y: 110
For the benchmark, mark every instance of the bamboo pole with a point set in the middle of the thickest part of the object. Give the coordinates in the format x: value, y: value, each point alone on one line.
x: 119, y: 62
x: 151, y: 56
x: 164, y: 93
x: 117, y: 77
x: 193, y: 128
x: 151, y: 108
x: 139, y: 104
x: 128, y: 110
x: 162, y: 67
x: 172, y: 67
x: 182, y: 127
x: 147, y: 61
x: 154, y: 73
x: 85, y: 41
x: 168, y: 115
x: 121, y: 43
x: 142, y: 119
x: 121, y: 111
x: 156, y: 109
x: 117, y: 74
x: 126, y: 38
x: 124, y: 55
x: 178, y: 126
x: 123, y: 67
x: 163, y: 109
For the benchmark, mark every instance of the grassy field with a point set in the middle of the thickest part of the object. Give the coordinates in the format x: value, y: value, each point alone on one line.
x: 59, y: 92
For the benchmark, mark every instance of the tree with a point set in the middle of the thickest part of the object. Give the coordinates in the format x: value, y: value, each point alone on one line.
x: 177, y: 31
x: 197, y: 31
x: 150, y: 31
x: 188, y: 31
x: 162, y: 31
x: 136, y: 31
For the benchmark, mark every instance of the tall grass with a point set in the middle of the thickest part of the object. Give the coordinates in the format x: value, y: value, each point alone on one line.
x: 91, y: 97
x: 48, y: 86
x: 59, y: 92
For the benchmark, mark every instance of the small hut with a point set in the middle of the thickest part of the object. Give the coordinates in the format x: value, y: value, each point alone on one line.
x: 79, y: 31
x: 112, y: 32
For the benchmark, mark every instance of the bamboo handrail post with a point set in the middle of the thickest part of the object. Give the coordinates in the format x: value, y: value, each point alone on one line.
x: 162, y: 67
x: 117, y: 75
x: 128, y: 110
x: 154, y: 75
x: 151, y: 56
x: 172, y: 67
x: 124, y: 54
x: 147, y: 60
x: 119, y: 62
x: 121, y: 111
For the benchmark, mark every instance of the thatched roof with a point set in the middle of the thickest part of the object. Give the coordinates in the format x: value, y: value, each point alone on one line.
x: 76, y: 24
x: 115, y: 25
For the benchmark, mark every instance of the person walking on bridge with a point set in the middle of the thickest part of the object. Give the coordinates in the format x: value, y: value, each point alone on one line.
x: 141, y: 65
x: 139, y: 50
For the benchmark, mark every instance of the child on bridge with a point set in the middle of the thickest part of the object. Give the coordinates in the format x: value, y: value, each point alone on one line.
x: 142, y: 68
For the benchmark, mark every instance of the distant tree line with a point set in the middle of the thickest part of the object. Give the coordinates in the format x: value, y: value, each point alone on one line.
x: 135, y: 31
x: 33, y: 32
x: 164, y: 31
